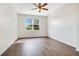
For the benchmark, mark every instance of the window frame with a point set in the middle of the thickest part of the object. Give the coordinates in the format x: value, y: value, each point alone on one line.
x: 33, y: 19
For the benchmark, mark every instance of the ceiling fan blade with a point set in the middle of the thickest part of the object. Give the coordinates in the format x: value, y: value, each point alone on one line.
x: 34, y: 8
x: 44, y: 4
x: 44, y: 8
x: 35, y: 4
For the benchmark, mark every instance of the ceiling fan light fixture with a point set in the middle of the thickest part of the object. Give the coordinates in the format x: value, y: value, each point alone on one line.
x: 40, y: 7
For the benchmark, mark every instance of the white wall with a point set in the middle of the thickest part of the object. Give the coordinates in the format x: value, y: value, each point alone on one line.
x: 61, y: 24
x: 8, y: 26
x: 22, y: 32
x: 77, y: 27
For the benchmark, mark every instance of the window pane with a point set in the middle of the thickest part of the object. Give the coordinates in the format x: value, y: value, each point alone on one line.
x: 36, y: 21
x: 36, y: 27
x: 36, y: 24
x: 29, y: 27
x: 28, y: 23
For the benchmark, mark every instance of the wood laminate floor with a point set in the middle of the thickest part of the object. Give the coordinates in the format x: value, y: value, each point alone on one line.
x: 40, y: 47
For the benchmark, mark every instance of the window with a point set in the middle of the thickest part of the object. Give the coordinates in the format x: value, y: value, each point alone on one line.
x: 31, y: 24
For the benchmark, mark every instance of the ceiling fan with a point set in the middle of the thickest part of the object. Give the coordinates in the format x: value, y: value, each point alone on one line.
x: 40, y: 6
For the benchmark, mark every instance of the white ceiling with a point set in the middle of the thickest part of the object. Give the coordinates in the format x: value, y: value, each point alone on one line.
x: 25, y: 8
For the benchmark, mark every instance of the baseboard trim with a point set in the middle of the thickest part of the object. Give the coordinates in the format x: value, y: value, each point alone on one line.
x: 62, y: 42
x: 8, y: 47
x: 33, y: 37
